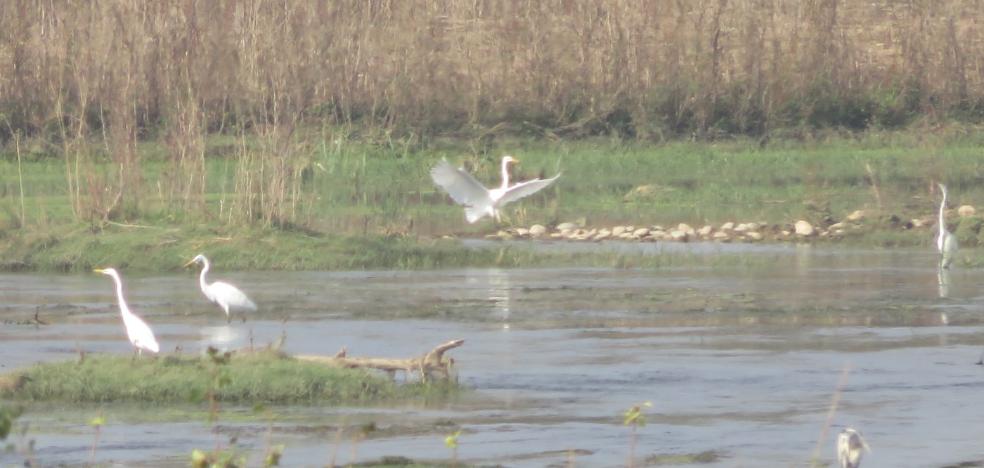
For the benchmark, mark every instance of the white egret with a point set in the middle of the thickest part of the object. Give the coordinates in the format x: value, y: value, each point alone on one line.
x: 139, y: 333
x: 478, y: 200
x: 224, y: 294
x: 849, y: 446
x: 946, y: 243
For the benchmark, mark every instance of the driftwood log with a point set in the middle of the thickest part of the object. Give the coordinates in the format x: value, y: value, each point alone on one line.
x: 431, y: 366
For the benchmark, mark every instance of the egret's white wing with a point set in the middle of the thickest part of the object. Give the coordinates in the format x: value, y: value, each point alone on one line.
x: 140, y: 333
x: 230, y: 295
x: 463, y: 188
x: 525, y: 189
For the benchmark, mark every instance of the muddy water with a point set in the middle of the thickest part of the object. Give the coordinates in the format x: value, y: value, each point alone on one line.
x: 742, y: 361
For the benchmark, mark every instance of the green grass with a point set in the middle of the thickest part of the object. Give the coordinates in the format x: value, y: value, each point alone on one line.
x: 254, y: 378
x: 355, y: 195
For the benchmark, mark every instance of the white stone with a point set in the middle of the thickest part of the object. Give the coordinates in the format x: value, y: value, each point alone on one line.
x: 567, y: 226
x: 537, y: 230
x: 753, y: 226
x: 618, y: 230
x: 855, y: 216
x: 556, y: 235
x: 602, y: 235
x: 965, y: 211
x: 640, y: 232
x: 728, y: 226
x: 741, y: 227
x: 836, y: 226
x: 754, y: 235
x: 804, y: 228
x: 721, y: 236
x: 678, y: 235
x: 705, y: 231
x: 522, y: 232
x: 686, y: 229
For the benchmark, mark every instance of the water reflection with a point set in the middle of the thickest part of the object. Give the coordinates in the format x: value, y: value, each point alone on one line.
x: 943, y: 280
x: 221, y: 337
x: 499, y: 293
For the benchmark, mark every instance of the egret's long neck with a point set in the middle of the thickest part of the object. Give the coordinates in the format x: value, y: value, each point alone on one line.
x: 124, y: 310
x: 942, y: 205
x: 505, y: 174
x: 201, y: 277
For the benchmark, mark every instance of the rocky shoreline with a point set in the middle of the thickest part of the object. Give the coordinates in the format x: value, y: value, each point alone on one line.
x: 800, y: 230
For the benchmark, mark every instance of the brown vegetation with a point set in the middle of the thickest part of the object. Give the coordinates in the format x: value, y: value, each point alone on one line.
x: 636, y: 66
x: 176, y: 70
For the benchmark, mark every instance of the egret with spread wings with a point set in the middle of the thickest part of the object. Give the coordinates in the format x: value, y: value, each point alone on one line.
x: 478, y: 200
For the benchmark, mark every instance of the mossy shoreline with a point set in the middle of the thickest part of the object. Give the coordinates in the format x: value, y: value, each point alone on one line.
x: 78, y: 248
x: 261, y: 377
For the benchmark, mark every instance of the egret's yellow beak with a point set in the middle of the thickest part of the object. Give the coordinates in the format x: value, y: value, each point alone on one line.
x: 190, y: 263
x: 98, y: 270
x: 515, y: 161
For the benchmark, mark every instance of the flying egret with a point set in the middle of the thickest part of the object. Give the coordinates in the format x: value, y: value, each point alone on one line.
x: 224, y: 294
x: 478, y: 200
x: 849, y: 446
x: 139, y: 333
x: 946, y: 243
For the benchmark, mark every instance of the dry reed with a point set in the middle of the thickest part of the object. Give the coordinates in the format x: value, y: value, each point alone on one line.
x: 177, y: 70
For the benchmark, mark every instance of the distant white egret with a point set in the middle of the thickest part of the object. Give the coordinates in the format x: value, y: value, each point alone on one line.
x: 849, y: 447
x: 139, y: 333
x: 224, y: 294
x: 946, y: 243
x: 478, y: 200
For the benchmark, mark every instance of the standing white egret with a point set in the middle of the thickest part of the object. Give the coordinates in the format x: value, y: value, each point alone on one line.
x: 224, y: 294
x: 849, y: 446
x: 946, y: 243
x: 478, y: 200
x: 139, y: 333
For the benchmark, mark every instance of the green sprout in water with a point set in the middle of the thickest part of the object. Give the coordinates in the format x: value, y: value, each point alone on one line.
x: 636, y: 418
x: 97, y: 423
x: 217, y: 459
x: 451, y: 442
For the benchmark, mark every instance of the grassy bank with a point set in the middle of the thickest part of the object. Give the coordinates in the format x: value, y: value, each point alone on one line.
x: 360, y: 205
x: 253, y: 378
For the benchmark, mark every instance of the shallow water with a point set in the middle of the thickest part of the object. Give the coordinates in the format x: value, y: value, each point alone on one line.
x: 740, y: 360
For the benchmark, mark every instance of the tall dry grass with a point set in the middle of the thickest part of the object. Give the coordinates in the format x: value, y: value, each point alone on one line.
x: 177, y: 70
x: 557, y: 65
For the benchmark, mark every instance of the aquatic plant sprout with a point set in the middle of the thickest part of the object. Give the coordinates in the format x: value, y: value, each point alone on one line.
x: 478, y: 200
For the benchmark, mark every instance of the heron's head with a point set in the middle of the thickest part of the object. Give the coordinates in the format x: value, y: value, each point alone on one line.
x: 106, y: 271
x: 942, y: 187
x: 506, y: 160
x: 198, y: 259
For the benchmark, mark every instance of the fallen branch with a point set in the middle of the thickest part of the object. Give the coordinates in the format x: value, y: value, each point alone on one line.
x: 432, y: 365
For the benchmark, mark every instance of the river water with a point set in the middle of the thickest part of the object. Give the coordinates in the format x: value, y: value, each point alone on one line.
x: 749, y: 363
